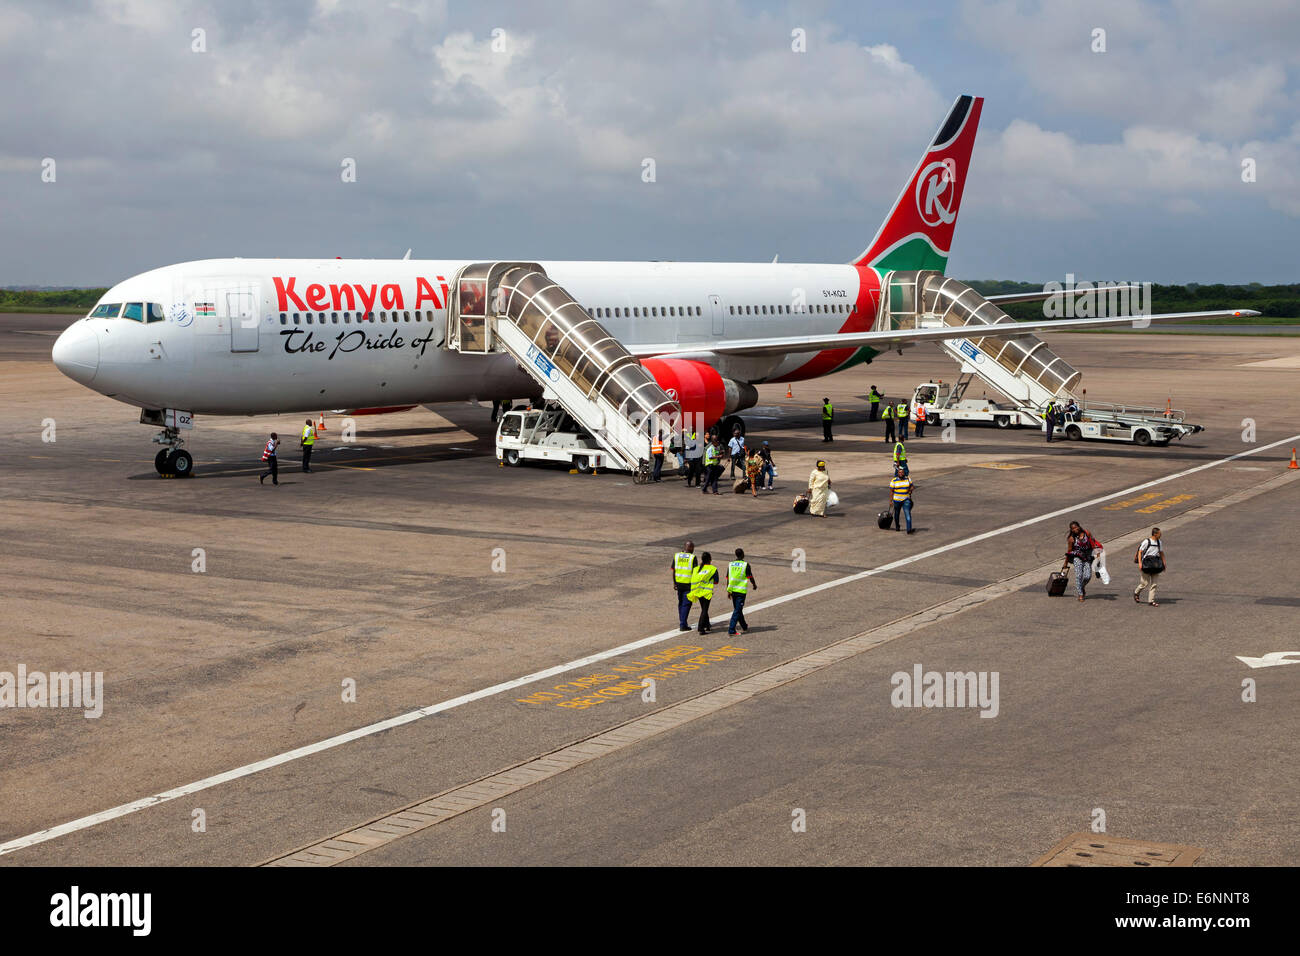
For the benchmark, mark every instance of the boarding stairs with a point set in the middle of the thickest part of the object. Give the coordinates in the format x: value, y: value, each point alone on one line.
x: 514, y: 307
x: 1020, y: 367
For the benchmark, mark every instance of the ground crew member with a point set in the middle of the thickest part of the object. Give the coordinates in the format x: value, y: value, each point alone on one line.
x: 693, y: 453
x: 684, y: 563
x: 702, y: 580
x: 1049, y: 419
x: 272, y: 464
x: 900, y: 488
x: 900, y: 457
x: 712, y: 470
x: 874, y: 398
x: 657, y: 453
x: 739, y: 577
x: 308, y: 439
x: 828, y: 416
x: 900, y: 416
x: 920, y: 419
x: 888, y: 415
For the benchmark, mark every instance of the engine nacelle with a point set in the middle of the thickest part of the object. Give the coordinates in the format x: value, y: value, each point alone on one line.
x: 700, y: 390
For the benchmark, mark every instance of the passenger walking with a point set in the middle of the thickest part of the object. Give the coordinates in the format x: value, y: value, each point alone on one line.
x: 888, y: 415
x: 874, y: 398
x: 657, y: 453
x: 702, y: 581
x: 900, y: 458
x: 900, y: 416
x: 769, y: 466
x: 754, y: 470
x: 712, y: 467
x: 272, y: 463
x: 736, y: 448
x: 1078, y: 552
x: 740, y: 576
x: 1150, y: 559
x: 900, y: 490
x: 675, y: 450
x: 819, y: 490
x: 828, y: 416
x: 684, y: 564
x: 308, y: 440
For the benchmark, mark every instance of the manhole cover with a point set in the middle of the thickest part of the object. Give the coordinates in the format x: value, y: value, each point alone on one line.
x: 1098, y: 849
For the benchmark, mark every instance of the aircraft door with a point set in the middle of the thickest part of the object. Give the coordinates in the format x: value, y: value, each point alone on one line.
x: 719, y: 317
x: 241, y: 311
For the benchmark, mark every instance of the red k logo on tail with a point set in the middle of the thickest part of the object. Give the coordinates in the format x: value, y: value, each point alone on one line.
x: 917, y: 233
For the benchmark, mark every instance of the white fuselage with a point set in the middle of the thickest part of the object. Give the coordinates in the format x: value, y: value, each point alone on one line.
x: 254, y: 336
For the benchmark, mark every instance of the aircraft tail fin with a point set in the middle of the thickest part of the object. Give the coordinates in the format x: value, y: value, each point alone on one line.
x: 917, y: 233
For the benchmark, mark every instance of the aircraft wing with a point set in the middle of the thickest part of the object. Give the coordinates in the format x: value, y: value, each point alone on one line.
x: 887, y: 340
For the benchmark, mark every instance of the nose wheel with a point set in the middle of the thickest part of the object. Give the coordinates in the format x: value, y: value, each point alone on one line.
x: 172, y: 461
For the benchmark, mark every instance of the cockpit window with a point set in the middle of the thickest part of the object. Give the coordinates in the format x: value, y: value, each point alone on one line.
x: 133, y: 310
x: 156, y: 312
x: 106, y: 310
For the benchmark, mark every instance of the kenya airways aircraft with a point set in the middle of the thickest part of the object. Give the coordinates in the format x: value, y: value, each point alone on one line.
x: 264, y: 336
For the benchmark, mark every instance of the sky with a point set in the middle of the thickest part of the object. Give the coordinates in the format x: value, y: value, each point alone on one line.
x: 1133, y: 141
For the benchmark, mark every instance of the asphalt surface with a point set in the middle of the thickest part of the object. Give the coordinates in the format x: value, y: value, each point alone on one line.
x: 379, y: 571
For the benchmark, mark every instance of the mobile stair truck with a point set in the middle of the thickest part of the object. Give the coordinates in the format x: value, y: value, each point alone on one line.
x: 1019, y: 367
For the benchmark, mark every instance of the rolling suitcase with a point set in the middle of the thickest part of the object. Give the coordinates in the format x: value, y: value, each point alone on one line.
x: 801, y: 504
x: 1056, y: 582
x: 884, y: 520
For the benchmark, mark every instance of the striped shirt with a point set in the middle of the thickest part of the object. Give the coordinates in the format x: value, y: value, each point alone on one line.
x: 902, y: 488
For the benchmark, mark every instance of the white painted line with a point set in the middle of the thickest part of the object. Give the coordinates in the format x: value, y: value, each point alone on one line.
x: 1275, y: 659
x: 85, y: 823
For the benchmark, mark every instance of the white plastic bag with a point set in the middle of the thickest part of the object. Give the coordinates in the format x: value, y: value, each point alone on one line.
x: 1100, y: 567
x: 832, y: 499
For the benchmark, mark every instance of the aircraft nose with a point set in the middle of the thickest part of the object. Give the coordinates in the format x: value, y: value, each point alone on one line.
x: 76, y: 352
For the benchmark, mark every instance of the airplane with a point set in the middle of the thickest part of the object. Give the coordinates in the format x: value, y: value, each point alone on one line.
x: 269, y: 336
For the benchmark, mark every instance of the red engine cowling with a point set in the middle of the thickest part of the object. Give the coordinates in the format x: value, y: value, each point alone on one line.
x: 704, y: 395
x: 697, y: 387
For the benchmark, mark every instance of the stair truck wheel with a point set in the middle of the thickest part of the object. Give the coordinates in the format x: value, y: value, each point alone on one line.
x: 1142, y: 437
x: 160, y: 461
x: 932, y: 418
x: 511, y: 457
x: 1002, y: 421
x: 583, y: 464
x: 180, y: 463
x: 1072, y: 432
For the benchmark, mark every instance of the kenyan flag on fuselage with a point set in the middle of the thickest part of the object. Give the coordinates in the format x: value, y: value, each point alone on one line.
x: 917, y: 233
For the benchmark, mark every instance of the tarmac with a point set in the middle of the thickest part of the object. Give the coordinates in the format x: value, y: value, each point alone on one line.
x: 415, y: 656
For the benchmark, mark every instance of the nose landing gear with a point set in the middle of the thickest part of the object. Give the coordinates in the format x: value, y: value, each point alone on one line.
x: 172, y: 461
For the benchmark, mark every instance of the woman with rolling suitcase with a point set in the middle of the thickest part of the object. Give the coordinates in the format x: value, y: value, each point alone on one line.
x: 1078, y: 551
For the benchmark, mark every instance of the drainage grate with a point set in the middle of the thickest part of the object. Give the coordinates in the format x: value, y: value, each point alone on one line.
x: 1092, y: 849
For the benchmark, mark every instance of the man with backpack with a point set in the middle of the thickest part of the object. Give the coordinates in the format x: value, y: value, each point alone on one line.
x: 1150, y: 559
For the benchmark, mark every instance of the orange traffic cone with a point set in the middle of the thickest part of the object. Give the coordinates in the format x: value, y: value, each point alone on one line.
x: 789, y: 393
x: 320, y: 428
x: 1293, y: 464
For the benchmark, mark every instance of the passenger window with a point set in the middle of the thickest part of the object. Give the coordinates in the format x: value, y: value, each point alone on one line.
x: 310, y: 318
x: 429, y: 315
x: 406, y: 316
x: 296, y: 320
x: 284, y: 319
x: 334, y: 316
x: 133, y: 311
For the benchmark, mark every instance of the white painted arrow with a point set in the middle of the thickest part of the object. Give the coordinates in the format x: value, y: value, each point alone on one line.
x: 1275, y: 659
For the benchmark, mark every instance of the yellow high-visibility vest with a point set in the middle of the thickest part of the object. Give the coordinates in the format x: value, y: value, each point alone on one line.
x: 902, y: 410
x: 710, y: 455
x: 828, y: 411
x: 682, y: 562
x: 887, y: 412
x: 702, y: 583
x: 738, y: 577
x: 900, y: 453
x: 308, y: 435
